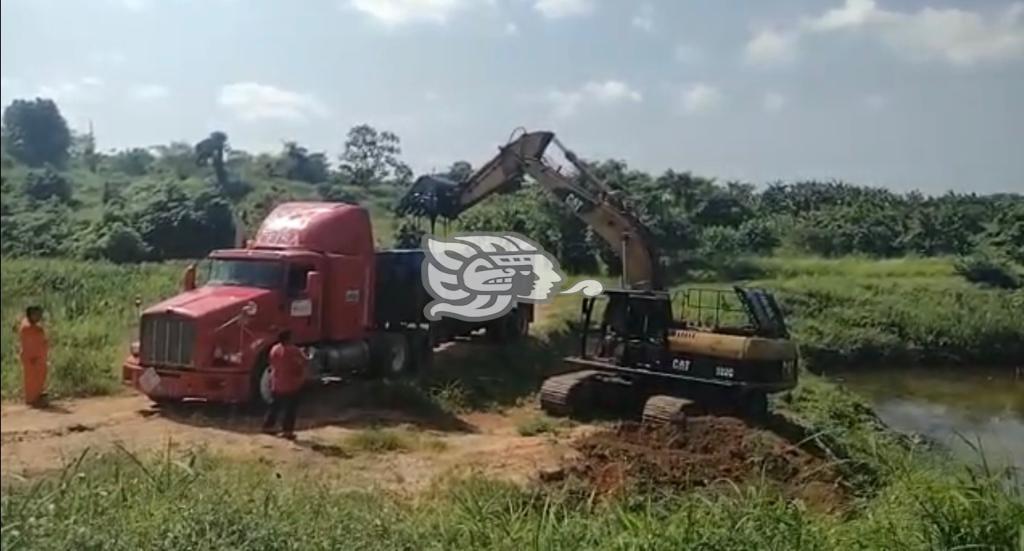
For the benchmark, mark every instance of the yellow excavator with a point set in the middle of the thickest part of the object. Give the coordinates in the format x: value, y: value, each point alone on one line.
x: 723, y: 350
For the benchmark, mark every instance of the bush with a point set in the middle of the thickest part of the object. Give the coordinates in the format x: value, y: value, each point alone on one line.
x: 985, y: 270
x: 46, y: 184
x: 115, y: 242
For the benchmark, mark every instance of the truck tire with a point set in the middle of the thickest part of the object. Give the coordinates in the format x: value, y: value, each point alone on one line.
x: 510, y: 327
x: 520, y: 324
x: 394, y: 355
x: 421, y: 344
x: 259, y: 383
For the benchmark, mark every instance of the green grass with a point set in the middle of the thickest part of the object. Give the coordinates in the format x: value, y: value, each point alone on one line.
x: 540, y: 424
x: 844, y: 312
x: 118, y: 501
x: 90, y: 317
x: 859, y: 312
x: 386, y: 440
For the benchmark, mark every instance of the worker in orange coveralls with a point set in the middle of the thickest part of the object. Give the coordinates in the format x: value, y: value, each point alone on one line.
x: 287, y: 377
x: 34, y: 350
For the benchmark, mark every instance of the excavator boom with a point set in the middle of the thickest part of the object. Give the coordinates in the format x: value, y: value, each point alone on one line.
x: 583, y: 194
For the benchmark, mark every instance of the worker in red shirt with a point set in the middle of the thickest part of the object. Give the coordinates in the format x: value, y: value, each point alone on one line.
x: 287, y: 376
x: 34, y: 352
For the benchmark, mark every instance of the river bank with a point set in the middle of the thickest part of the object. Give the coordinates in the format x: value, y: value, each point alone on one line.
x: 963, y: 409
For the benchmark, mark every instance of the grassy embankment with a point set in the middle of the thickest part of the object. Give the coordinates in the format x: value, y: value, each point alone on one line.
x: 843, y: 312
x: 861, y: 313
x: 904, y: 499
x: 90, y: 317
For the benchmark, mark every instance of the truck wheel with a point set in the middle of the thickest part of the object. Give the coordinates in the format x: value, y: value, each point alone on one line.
x: 421, y: 344
x: 497, y: 330
x: 520, y: 324
x: 395, y: 358
x: 259, y: 384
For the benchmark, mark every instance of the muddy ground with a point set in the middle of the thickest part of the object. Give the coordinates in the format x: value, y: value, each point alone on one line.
x: 705, y: 451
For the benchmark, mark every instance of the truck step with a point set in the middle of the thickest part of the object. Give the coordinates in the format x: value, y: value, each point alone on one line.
x: 662, y: 409
x: 568, y: 394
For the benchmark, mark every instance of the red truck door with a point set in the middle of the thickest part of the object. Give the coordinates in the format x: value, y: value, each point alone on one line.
x: 302, y: 309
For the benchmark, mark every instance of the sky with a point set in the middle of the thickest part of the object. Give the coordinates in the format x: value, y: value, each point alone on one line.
x: 907, y: 94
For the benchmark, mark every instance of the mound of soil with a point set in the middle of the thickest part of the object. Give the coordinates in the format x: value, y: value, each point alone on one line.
x: 706, y: 451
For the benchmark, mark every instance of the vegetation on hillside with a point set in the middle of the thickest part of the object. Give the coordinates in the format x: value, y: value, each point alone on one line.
x: 62, y: 197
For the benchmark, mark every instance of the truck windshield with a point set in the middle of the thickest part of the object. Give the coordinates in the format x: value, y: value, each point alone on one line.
x: 265, y: 274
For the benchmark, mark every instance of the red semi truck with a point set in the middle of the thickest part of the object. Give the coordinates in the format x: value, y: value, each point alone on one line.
x: 311, y: 269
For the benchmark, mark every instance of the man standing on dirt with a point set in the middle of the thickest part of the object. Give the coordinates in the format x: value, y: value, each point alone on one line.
x: 34, y: 352
x: 287, y: 375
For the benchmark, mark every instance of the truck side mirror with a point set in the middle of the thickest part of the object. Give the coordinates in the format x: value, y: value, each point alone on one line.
x: 189, y: 279
x: 314, y: 285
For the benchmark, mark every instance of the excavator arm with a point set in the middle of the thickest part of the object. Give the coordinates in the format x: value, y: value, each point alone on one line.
x: 584, y: 195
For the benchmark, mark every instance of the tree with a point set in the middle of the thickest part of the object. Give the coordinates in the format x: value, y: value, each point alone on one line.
x: 35, y: 133
x: 177, y: 158
x: 83, y: 148
x: 42, y: 185
x: 175, y: 224
x: 371, y: 157
x: 459, y: 172
x: 297, y: 163
x: 211, y: 151
x: 136, y: 161
x: 113, y: 240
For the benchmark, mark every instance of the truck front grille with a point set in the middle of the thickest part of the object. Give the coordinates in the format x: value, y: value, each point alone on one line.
x: 166, y: 340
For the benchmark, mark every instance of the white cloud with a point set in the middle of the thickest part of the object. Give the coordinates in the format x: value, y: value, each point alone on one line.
x: 853, y: 13
x: 771, y: 47
x: 957, y: 36
x: 149, y: 92
x: 252, y: 101
x: 511, y: 29
x: 699, y: 97
x: 644, y: 19
x: 599, y: 93
x: 773, y: 102
x: 563, y: 8
x: 87, y: 89
x: 398, y: 12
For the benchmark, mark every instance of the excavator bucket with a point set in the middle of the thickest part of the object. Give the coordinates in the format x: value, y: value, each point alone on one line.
x: 431, y: 196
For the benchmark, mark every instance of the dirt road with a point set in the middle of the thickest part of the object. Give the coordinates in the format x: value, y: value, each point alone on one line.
x: 36, y: 441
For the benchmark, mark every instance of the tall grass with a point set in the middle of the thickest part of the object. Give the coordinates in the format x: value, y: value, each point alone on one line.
x: 843, y: 312
x: 863, y: 312
x: 90, y: 316
x: 123, y: 502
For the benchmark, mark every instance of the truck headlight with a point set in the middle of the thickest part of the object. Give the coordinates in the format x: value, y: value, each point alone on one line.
x: 220, y: 355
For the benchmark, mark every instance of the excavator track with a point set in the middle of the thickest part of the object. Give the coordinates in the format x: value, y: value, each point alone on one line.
x: 568, y: 394
x: 662, y: 409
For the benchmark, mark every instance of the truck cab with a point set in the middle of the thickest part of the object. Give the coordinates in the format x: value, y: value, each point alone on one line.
x: 310, y: 269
